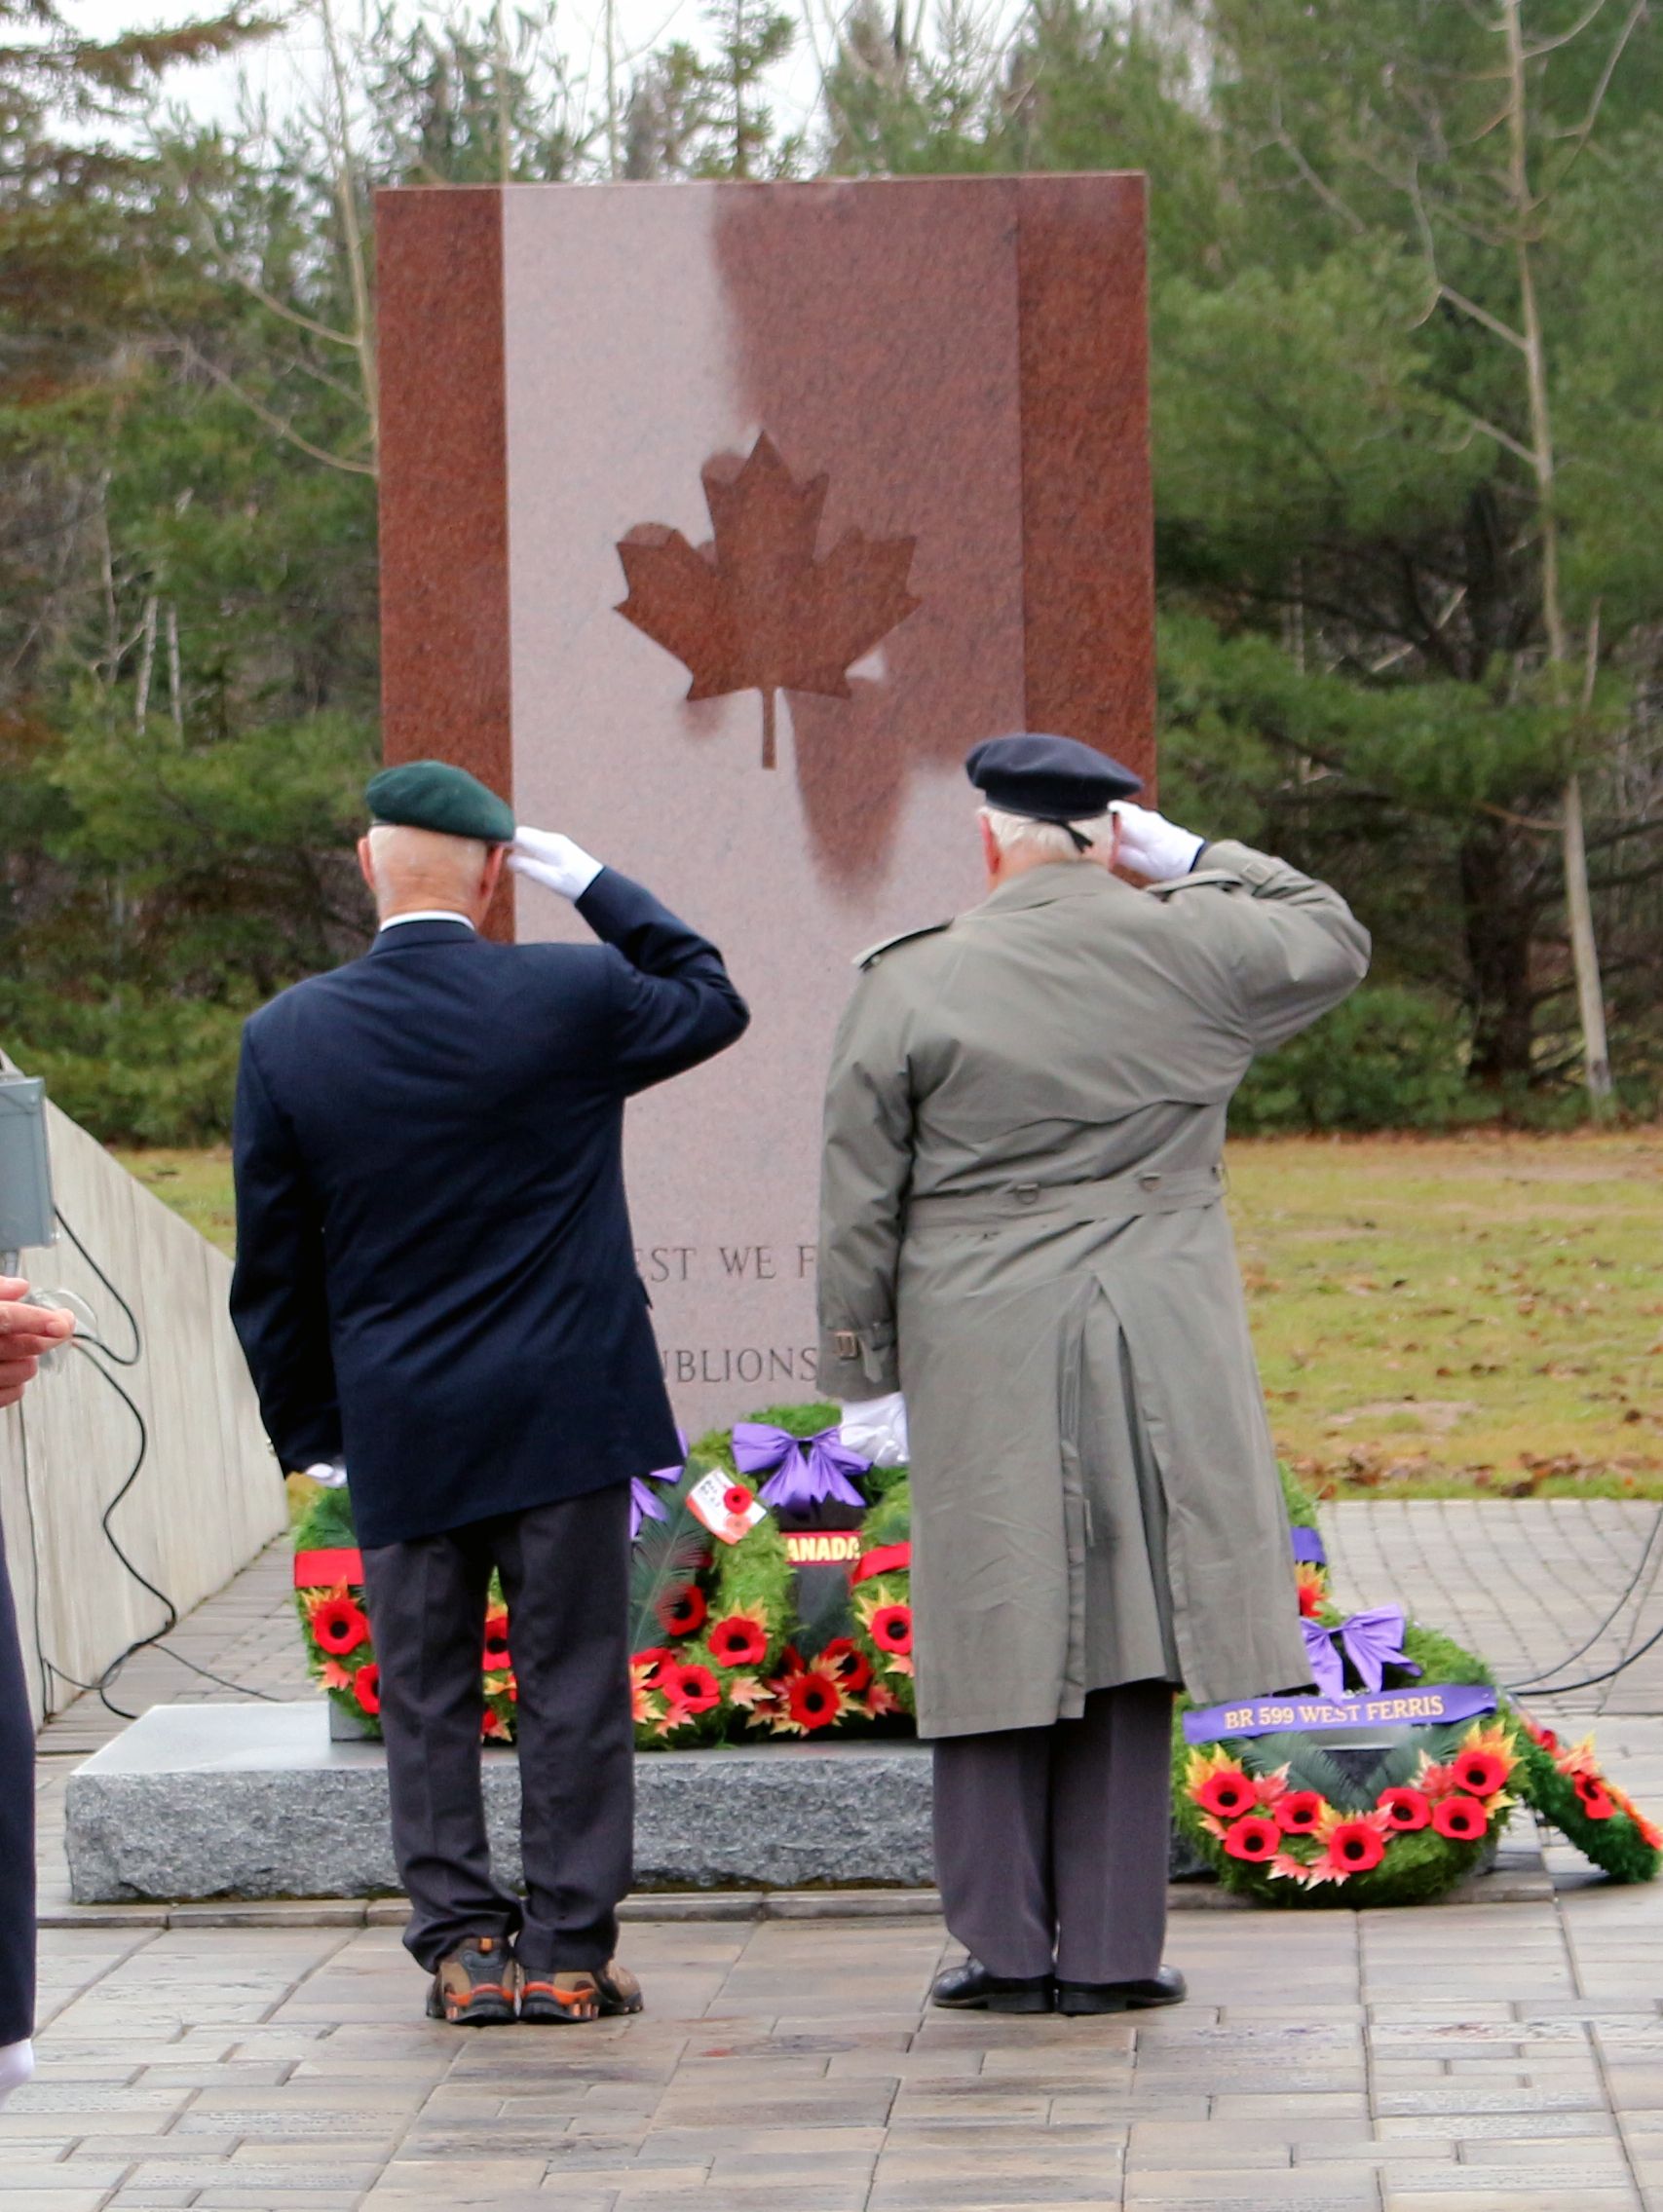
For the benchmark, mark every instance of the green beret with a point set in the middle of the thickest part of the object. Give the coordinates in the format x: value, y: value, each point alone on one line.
x: 431, y: 795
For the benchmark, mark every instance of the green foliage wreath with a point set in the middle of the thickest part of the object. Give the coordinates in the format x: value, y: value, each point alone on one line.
x: 1567, y: 1787
x: 1276, y: 1816
x: 721, y: 1650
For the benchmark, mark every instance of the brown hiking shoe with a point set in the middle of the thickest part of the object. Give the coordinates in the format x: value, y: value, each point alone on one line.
x: 476, y: 1985
x: 581, y: 1992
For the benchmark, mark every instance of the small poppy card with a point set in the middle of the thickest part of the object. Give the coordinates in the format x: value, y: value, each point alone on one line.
x: 729, y: 1509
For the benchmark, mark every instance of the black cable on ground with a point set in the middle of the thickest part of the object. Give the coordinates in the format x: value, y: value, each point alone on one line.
x: 1610, y: 1674
x: 1541, y: 1683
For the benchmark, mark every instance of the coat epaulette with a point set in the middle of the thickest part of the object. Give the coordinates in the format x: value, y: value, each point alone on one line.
x: 904, y: 937
x: 1225, y: 876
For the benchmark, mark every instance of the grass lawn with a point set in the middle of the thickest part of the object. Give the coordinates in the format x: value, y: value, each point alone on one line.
x: 1433, y: 1315
x: 196, y: 1184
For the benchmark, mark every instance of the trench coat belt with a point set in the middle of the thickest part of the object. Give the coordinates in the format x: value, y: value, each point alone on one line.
x: 1111, y: 1198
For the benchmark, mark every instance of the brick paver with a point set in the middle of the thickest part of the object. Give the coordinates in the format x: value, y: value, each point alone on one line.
x: 1463, y: 2055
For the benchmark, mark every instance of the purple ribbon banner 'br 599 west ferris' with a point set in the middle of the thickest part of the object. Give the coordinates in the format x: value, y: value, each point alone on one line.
x: 1422, y: 1706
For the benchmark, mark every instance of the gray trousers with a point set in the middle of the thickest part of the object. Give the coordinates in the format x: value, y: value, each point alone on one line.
x: 566, y: 1570
x: 1051, y: 1843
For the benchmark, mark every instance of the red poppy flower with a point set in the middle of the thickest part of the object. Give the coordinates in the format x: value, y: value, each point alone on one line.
x: 1313, y: 1590
x: 1596, y: 1804
x: 891, y: 1628
x: 340, y: 1625
x: 740, y: 1640
x: 1405, y: 1809
x: 682, y: 1611
x: 1356, y: 1846
x: 366, y: 1687
x: 1227, y: 1793
x: 497, y: 1657
x: 1254, y: 1837
x: 695, y: 1689
x: 650, y: 1660
x: 813, y: 1699
x: 1462, y: 1819
x: 852, y: 1667
x: 736, y: 1498
x: 1480, y: 1773
x: 1298, y: 1811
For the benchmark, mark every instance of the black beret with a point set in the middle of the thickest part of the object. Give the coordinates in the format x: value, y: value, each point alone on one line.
x: 1049, y: 779
x: 431, y: 795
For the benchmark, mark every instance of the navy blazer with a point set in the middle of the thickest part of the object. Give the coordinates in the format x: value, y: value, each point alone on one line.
x: 436, y: 1275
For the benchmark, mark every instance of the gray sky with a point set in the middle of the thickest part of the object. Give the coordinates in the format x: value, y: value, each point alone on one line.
x: 287, y: 68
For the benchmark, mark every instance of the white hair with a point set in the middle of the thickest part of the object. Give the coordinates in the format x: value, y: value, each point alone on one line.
x: 1018, y: 834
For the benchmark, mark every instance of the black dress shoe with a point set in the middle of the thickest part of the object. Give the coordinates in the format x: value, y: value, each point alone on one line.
x: 970, y: 1988
x: 1168, y: 1987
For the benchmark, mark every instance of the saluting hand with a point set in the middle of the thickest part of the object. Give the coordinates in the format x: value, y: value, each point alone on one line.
x: 27, y: 1335
x: 546, y: 858
x: 1150, y: 846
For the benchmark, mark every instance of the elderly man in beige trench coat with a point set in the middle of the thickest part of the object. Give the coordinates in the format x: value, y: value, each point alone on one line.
x: 1025, y: 1259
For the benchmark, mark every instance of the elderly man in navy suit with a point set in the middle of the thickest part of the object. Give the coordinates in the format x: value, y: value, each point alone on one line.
x: 435, y: 1287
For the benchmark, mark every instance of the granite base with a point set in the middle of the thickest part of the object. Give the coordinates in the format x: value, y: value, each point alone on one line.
x: 228, y: 1801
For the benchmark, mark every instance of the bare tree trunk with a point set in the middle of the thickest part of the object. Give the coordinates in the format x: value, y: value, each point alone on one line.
x: 503, y: 91
x: 176, y: 681
x: 146, y: 662
x: 1584, y: 951
x: 609, y: 40
x: 351, y: 229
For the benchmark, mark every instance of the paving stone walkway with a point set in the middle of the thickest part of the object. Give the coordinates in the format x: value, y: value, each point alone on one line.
x: 1488, y: 2059
x: 1484, y: 2057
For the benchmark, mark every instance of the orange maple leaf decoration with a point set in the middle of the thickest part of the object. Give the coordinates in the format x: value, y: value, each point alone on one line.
x: 756, y: 611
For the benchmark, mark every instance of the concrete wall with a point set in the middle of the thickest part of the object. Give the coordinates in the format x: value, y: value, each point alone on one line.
x: 208, y: 1496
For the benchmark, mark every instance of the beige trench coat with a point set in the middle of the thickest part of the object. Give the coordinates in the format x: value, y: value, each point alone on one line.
x: 1022, y: 1228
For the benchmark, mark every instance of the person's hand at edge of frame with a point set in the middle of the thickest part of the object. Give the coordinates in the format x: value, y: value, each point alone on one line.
x: 559, y: 863
x: 27, y: 1335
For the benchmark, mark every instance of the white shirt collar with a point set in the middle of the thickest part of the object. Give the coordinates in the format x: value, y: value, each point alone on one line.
x: 428, y: 914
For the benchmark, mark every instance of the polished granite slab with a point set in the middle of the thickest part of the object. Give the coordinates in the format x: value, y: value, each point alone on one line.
x: 256, y: 1801
x: 718, y: 522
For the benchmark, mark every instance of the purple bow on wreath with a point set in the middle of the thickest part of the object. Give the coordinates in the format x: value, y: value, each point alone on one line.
x: 1372, y: 1641
x: 643, y: 1505
x: 802, y: 1471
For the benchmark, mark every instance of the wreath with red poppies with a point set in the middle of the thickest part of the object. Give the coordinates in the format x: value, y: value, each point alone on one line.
x: 1567, y: 1788
x: 721, y: 1651
x: 1283, y: 1821
x: 1290, y: 1820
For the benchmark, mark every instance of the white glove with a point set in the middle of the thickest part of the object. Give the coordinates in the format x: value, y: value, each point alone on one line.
x: 330, y: 1472
x: 1150, y: 846
x: 546, y: 858
x: 877, y: 1429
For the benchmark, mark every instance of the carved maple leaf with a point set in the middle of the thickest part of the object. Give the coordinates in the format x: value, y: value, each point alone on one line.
x: 755, y: 611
